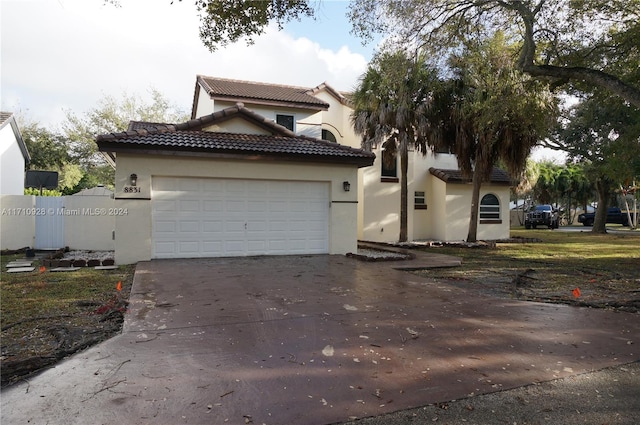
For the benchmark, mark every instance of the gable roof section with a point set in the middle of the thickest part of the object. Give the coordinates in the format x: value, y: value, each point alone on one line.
x: 341, y: 97
x: 7, y: 118
x: 498, y: 176
x: 188, y: 139
x: 199, y: 124
x: 260, y: 93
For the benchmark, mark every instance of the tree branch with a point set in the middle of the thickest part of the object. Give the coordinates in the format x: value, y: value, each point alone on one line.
x: 593, y: 76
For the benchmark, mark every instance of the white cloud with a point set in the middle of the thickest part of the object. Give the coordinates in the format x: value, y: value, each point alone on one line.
x: 68, y: 54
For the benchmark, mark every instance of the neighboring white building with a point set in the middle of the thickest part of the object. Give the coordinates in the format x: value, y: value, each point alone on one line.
x: 14, y: 156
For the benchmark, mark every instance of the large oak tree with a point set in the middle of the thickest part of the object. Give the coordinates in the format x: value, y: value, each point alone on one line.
x: 603, y: 133
x: 567, y: 41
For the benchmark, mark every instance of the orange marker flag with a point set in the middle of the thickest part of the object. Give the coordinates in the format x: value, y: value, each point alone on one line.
x: 576, y: 292
x: 43, y: 269
x: 119, y: 286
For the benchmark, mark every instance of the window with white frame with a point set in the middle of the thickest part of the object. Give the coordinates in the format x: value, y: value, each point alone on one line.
x: 490, y: 207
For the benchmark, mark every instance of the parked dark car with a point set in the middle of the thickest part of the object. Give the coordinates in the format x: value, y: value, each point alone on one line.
x: 541, y: 215
x: 614, y: 215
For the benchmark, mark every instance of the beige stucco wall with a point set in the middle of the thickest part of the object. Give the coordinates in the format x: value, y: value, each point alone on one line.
x: 496, y: 231
x: 437, y: 208
x: 93, y: 224
x: 308, y: 122
x: 204, y: 105
x: 17, y: 221
x: 454, y: 225
x: 236, y: 125
x: 133, y: 231
x: 453, y: 214
x: 448, y: 206
x: 381, y: 200
x: 338, y: 120
x: 381, y: 205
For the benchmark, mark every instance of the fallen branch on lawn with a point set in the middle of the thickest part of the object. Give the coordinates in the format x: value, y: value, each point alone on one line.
x: 31, y: 319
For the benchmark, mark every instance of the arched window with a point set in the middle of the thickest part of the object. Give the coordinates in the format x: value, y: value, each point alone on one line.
x: 490, y: 207
x: 327, y: 135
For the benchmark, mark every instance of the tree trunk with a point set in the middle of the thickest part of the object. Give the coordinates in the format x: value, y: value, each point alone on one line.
x: 404, y: 167
x: 604, y: 190
x: 475, y: 201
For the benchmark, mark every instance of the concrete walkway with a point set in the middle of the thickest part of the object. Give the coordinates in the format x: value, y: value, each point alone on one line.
x: 311, y: 340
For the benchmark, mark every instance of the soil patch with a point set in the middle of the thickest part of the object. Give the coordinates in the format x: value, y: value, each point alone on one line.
x: 48, y: 316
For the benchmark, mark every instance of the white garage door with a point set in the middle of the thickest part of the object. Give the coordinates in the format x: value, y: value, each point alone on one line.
x: 222, y: 217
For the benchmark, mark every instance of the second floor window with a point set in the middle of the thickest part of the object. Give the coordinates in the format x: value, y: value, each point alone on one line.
x: 389, y: 165
x: 286, y: 121
x: 327, y: 135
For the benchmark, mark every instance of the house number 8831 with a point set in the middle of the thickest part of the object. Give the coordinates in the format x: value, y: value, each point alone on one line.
x: 132, y: 189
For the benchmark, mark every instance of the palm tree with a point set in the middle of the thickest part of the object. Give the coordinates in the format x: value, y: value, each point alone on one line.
x: 392, y: 106
x: 545, y: 187
x: 499, y: 113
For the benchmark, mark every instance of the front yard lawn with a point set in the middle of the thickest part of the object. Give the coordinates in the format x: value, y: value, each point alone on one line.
x: 578, y: 268
x: 46, y: 316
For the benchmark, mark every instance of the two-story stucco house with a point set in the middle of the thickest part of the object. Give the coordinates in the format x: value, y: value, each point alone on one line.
x: 14, y: 156
x: 265, y: 169
x: 440, y: 201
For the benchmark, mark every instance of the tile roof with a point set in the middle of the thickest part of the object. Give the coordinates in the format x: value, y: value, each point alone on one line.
x: 4, y: 116
x: 498, y: 176
x: 138, y: 125
x: 237, y: 90
x: 189, y: 139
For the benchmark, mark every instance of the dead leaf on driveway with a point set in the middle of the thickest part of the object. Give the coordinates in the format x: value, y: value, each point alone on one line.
x: 328, y: 351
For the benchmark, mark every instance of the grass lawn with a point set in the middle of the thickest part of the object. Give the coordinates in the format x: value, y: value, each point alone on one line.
x: 605, y: 268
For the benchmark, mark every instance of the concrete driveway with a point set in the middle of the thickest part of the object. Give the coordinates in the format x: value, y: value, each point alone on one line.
x: 311, y: 340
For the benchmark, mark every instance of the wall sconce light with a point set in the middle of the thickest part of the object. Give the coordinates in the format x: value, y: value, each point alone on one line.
x: 346, y: 186
x: 133, y: 179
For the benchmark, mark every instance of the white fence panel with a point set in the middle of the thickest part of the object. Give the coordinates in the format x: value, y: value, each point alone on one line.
x: 49, y: 222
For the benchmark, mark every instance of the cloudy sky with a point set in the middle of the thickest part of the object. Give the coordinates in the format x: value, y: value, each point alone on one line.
x: 67, y: 55
x: 60, y: 55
